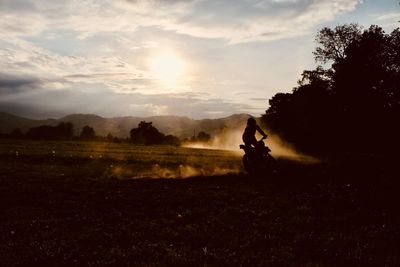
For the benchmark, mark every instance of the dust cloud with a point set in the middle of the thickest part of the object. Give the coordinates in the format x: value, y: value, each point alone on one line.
x: 157, y: 171
x: 230, y: 139
x: 186, y: 171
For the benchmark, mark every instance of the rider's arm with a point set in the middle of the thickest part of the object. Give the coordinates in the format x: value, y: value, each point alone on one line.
x: 261, y: 131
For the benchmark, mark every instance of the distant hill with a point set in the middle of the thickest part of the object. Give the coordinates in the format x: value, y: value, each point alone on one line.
x: 9, y: 122
x: 182, y: 127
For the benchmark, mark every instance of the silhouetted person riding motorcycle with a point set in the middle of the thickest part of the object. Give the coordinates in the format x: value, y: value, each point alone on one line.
x: 249, y: 135
x: 257, y: 160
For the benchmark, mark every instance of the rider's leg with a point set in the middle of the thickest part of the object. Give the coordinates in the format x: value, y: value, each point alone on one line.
x: 253, y: 141
x: 249, y: 140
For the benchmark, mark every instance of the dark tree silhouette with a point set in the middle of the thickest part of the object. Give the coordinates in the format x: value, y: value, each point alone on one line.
x: 41, y: 132
x: 171, y: 140
x: 352, y: 106
x: 16, y: 134
x: 203, y: 137
x: 109, y: 137
x: 63, y: 131
x: 146, y: 134
x: 88, y: 133
x: 333, y: 43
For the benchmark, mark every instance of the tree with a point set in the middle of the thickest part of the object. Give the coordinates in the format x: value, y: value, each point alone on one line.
x: 16, y: 133
x: 203, y: 137
x: 63, y: 131
x: 88, y: 133
x: 367, y: 85
x: 171, y: 140
x: 348, y: 105
x: 109, y: 137
x: 146, y: 134
x: 333, y: 43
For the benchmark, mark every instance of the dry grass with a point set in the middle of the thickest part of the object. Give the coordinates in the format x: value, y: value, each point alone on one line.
x: 62, y: 210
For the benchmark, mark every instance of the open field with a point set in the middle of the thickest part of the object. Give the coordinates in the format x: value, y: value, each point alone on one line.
x: 80, y: 206
x: 124, y: 160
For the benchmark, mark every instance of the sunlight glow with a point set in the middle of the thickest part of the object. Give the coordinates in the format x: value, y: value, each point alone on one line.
x: 167, y: 68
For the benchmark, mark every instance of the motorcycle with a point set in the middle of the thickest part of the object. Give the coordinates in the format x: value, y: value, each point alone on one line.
x: 258, y: 160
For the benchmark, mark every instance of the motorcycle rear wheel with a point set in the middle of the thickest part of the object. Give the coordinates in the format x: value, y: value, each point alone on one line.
x: 266, y: 167
x: 247, y: 164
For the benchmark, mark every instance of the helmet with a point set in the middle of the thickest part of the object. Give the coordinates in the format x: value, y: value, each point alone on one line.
x: 251, y: 121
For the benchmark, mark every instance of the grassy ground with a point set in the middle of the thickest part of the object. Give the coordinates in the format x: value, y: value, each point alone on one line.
x: 72, y: 209
x: 124, y: 160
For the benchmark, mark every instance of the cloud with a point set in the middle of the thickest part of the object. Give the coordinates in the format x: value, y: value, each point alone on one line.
x: 258, y: 99
x: 245, y: 21
x: 110, y: 104
x: 234, y: 20
x: 21, y: 58
x: 100, y: 41
x: 15, y: 83
x: 390, y: 20
x: 90, y: 55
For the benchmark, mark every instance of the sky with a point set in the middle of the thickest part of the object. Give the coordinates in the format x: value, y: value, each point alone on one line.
x: 194, y: 58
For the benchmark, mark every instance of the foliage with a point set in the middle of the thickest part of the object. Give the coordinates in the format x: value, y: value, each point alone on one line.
x: 88, y: 133
x: 147, y: 134
x: 16, y: 134
x: 333, y: 43
x: 203, y: 137
x: 352, y: 106
x: 109, y: 137
x: 171, y: 140
x: 62, y: 131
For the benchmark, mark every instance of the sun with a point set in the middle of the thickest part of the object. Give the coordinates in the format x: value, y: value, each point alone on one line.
x: 167, y: 68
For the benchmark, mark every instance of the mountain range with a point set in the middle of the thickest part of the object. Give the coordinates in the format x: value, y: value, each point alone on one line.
x: 182, y: 127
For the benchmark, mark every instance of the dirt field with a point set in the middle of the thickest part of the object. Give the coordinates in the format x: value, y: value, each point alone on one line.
x: 74, y: 204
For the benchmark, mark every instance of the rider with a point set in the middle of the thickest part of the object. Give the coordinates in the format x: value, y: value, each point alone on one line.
x: 249, y: 134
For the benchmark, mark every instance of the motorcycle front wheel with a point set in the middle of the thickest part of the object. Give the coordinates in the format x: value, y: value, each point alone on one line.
x: 266, y: 166
x: 247, y: 164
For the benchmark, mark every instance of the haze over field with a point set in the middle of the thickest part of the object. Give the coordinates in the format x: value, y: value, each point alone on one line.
x: 122, y: 124
x: 226, y: 133
x: 200, y: 59
x: 181, y: 127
